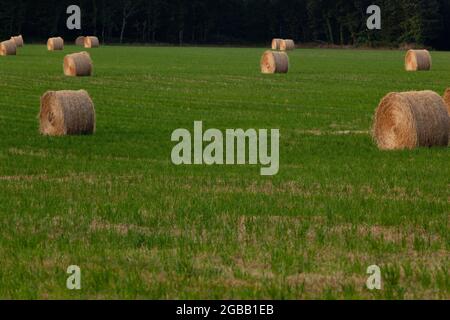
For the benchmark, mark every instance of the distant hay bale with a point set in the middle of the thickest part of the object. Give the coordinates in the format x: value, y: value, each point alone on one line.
x: 55, y: 44
x: 18, y: 40
x: 91, y: 42
x: 274, y: 62
x: 276, y: 44
x: 287, y: 45
x: 79, y: 41
x: 66, y: 113
x: 8, y: 48
x: 418, y: 60
x: 413, y: 119
x: 447, y: 100
x: 78, y: 64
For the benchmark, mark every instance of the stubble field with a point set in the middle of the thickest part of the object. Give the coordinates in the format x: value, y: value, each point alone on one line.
x: 140, y: 227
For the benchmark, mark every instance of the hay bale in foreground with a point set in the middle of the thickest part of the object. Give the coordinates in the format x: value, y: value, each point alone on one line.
x: 408, y: 120
x: 287, y: 45
x: 447, y: 100
x: 276, y: 44
x: 91, y: 42
x: 78, y: 64
x: 18, y: 40
x: 66, y: 113
x: 8, y: 48
x: 418, y: 60
x: 56, y: 43
x: 274, y: 62
x: 79, y: 41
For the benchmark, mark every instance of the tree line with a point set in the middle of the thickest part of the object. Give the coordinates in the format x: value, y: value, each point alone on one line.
x: 336, y: 22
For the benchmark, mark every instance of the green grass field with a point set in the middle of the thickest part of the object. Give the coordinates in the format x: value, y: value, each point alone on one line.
x: 141, y: 227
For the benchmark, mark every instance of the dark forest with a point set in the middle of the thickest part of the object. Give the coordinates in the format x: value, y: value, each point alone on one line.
x: 234, y: 22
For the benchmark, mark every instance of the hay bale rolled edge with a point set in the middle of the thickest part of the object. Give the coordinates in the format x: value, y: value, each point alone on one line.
x: 287, y: 45
x: 8, y: 48
x: 276, y: 44
x: 78, y: 64
x: 91, y: 42
x: 56, y: 43
x: 66, y: 113
x: 79, y: 41
x: 18, y: 40
x: 447, y: 104
x: 274, y: 62
x: 418, y: 60
x: 407, y: 120
x: 447, y: 100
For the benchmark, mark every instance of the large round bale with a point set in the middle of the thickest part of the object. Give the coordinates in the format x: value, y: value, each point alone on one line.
x: 91, y: 42
x: 55, y: 44
x: 447, y: 100
x: 8, y: 48
x: 274, y: 62
x: 66, y: 113
x: 18, y: 40
x: 418, y: 60
x: 408, y: 120
x: 287, y: 45
x: 276, y: 44
x: 79, y: 41
x: 78, y: 64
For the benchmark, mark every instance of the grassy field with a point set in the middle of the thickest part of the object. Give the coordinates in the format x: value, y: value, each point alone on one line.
x: 140, y: 227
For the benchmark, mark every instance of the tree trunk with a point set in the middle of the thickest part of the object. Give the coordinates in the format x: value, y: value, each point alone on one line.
x: 94, y: 16
x: 144, y: 31
x: 180, y: 37
x: 330, y: 30
x: 122, y: 31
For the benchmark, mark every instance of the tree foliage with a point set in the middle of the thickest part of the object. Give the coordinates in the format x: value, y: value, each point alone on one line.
x: 340, y: 22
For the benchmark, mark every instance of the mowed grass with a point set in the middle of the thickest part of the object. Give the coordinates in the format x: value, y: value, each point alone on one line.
x: 140, y: 227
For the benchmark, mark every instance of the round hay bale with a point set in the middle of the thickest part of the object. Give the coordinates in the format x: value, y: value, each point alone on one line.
x: 18, y: 40
x: 418, y: 60
x: 55, y: 44
x: 8, y: 48
x: 274, y: 62
x: 78, y: 64
x: 79, y: 41
x: 447, y: 100
x: 66, y: 113
x: 287, y: 45
x: 408, y: 120
x: 276, y: 44
x: 91, y: 42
